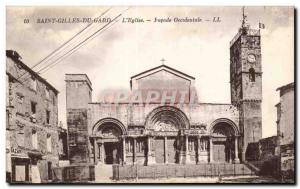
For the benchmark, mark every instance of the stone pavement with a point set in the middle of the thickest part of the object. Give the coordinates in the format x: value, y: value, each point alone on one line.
x: 103, y: 173
x: 235, y: 179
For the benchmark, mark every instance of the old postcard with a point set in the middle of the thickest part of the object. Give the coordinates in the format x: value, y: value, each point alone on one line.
x: 166, y: 94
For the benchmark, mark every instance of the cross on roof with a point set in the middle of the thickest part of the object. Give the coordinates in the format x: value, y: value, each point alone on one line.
x: 163, y: 61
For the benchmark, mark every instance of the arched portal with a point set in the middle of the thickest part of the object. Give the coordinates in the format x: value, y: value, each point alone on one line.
x: 167, y: 118
x: 166, y: 122
x: 107, y: 124
x: 224, y: 143
x: 107, y: 146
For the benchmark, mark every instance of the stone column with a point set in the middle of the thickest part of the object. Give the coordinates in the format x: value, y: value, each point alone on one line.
x: 187, y: 155
x: 230, y: 155
x: 124, y: 150
x: 229, y: 146
x: 166, y: 149
x: 102, y: 152
x: 180, y: 147
x: 150, y: 158
x: 210, y: 150
x: 134, y: 150
x: 236, y: 150
x: 149, y: 145
x: 198, y: 149
x: 96, y: 153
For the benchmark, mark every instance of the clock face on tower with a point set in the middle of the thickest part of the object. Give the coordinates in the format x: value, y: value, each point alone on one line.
x: 251, y: 58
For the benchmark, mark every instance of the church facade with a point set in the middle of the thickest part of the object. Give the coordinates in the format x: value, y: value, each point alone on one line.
x: 183, y: 131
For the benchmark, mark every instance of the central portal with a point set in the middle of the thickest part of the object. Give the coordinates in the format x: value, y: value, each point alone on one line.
x: 112, y: 154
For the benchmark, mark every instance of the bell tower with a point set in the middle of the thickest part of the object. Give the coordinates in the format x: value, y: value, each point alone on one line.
x: 246, y: 84
x: 78, y: 95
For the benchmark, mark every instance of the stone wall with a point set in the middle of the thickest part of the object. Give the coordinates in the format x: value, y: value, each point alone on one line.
x: 251, y: 122
x: 263, y: 155
x: 21, y: 95
x: 286, y: 122
x: 136, y: 115
x: 78, y: 91
x: 78, y: 95
x: 267, y: 147
x: 25, y: 88
x: 175, y: 171
x: 285, y: 130
x: 78, y: 136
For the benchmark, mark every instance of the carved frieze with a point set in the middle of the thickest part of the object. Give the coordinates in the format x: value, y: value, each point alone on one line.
x: 165, y: 126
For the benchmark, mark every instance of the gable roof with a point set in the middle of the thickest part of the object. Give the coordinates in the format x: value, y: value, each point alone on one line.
x: 160, y: 68
x: 288, y: 86
x: 16, y: 58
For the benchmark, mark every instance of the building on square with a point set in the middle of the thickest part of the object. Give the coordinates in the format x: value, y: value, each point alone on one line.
x: 285, y: 129
x: 32, y: 130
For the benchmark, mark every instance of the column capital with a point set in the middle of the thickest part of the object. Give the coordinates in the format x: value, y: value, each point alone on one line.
x: 98, y: 140
x: 133, y: 137
x: 123, y: 136
x: 187, y: 134
x: 149, y: 133
x: 151, y: 136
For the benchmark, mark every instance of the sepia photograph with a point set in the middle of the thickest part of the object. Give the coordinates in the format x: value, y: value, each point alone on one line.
x: 150, y: 94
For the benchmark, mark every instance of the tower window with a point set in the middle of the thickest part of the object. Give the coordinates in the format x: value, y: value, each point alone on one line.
x: 47, y: 116
x: 252, y: 75
x: 49, y: 143
x: 33, y: 112
x: 33, y: 107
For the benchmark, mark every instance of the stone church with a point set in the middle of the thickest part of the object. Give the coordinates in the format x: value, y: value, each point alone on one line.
x: 170, y: 133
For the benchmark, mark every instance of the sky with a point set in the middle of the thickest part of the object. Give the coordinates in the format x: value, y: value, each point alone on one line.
x: 125, y: 49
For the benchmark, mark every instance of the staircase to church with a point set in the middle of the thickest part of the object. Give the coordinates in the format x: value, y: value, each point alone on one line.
x: 184, y: 171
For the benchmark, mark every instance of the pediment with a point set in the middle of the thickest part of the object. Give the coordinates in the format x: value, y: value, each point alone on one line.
x: 164, y: 71
x: 163, y: 74
x: 164, y: 81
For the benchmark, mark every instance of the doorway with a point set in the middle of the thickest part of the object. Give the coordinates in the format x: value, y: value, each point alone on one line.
x: 172, y: 147
x: 20, y: 170
x: 219, y: 153
x: 111, y: 152
x: 159, y: 150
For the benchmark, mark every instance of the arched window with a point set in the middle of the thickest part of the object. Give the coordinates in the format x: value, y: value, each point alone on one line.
x: 252, y: 75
